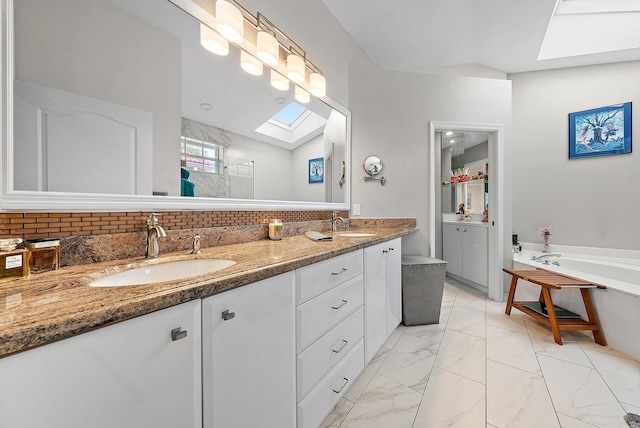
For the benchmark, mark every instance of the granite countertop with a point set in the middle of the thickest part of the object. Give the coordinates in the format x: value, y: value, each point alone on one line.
x: 59, y: 304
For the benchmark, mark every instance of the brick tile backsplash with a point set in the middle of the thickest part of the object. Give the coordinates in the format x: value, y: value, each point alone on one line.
x: 58, y: 225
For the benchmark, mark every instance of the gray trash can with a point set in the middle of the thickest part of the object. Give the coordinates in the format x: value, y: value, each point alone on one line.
x: 422, y: 287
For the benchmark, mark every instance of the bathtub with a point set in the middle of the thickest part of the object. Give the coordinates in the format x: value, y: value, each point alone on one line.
x: 618, y: 307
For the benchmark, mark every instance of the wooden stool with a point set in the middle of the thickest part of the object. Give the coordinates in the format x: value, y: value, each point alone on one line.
x: 547, y: 314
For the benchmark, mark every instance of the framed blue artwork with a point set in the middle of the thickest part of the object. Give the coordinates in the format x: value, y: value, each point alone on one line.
x: 600, y: 131
x: 316, y: 170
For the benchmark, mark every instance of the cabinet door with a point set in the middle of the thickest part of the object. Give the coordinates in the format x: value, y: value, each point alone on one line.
x: 132, y: 374
x: 394, y: 284
x: 452, y: 248
x: 248, y: 352
x: 475, y: 249
x: 375, y: 299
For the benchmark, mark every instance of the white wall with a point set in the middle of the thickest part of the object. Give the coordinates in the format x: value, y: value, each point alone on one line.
x: 61, y: 64
x: 391, y: 112
x: 587, y: 202
x: 272, y: 170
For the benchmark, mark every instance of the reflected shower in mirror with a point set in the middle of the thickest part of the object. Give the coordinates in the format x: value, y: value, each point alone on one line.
x: 120, y: 97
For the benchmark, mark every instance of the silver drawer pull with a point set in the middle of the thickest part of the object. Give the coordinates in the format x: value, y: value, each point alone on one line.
x: 226, y: 315
x: 339, y: 390
x: 177, y: 334
x: 391, y: 249
x: 384, y: 251
x: 339, y: 305
x: 344, y: 344
x: 339, y: 273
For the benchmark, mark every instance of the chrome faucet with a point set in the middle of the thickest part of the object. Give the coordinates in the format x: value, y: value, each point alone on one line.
x: 334, y: 222
x: 154, y: 232
x: 544, y: 258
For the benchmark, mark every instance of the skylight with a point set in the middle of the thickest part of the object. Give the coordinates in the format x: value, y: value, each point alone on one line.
x: 288, y: 115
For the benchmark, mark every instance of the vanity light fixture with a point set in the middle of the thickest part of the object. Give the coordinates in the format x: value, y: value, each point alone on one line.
x: 278, y: 81
x: 268, y: 48
x: 317, y: 85
x: 301, y: 95
x: 295, y: 68
x: 213, y: 41
x: 260, y: 43
x: 229, y: 21
x: 250, y: 64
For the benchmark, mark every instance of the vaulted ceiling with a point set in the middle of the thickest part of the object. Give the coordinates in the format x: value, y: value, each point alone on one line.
x: 503, y: 35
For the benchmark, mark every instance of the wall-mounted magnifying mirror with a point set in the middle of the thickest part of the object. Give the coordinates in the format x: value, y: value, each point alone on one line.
x: 373, y: 166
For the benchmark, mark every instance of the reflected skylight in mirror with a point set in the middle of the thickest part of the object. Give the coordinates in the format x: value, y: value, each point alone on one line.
x: 288, y: 115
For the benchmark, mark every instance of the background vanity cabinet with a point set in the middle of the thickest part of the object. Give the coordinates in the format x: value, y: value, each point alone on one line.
x: 144, y: 373
x: 248, y: 356
x: 465, y: 248
x: 329, y: 334
x: 382, y: 293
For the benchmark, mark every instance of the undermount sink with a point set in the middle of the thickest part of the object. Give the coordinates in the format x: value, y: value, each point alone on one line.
x: 169, y: 271
x: 355, y: 234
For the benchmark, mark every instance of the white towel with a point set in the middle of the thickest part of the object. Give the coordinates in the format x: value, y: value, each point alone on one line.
x: 317, y: 236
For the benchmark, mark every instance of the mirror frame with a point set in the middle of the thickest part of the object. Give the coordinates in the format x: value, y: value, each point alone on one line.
x: 27, y: 201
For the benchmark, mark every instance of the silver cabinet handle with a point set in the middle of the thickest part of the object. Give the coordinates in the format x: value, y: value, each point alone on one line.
x: 339, y: 273
x: 226, y: 315
x: 346, y: 381
x: 457, y: 228
x: 344, y: 343
x: 384, y: 251
x: 341, y: 304
x: 178, y: 333
x: 391, y: 249
x: 464, y: 230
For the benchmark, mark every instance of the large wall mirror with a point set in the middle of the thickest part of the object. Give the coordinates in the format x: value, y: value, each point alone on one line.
x: 114, y: 104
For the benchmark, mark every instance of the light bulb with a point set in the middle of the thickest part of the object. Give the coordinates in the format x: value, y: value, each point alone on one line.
x: 250, y: 64
x: 302, y: 96
x: 295, y: 68
x: 229, y: 21
x: 212, y: 41
x: 268, y: 49
x: 278, y: 81
x: 317, y: 85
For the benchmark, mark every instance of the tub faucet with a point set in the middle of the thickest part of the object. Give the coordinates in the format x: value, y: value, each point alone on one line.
x: 543, y: 258
x: 334, y: 222
x: 154, y: 232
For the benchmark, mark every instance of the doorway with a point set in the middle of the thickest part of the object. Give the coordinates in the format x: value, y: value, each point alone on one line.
x: 495, y: 134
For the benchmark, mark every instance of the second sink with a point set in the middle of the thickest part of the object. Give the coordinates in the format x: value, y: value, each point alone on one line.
x: 162, y: 272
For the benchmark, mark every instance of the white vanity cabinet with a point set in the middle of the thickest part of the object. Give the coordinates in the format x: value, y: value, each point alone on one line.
x: 329, y: 334
x: 382, y: 293
x: 248, y: 355
x: 143, y: 373
x: 465, y: 248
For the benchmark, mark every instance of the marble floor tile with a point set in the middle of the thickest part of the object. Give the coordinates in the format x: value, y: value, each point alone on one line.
x: 518, y: 399
x: 470, y: 300
x: 586, y: 342
x: 391, y: 341
x: 354, y: 391
x: 580, y: 392
x: 497, y: 317
x: 464, y: 355
x: 335, y: 418
x: 629, y: 408
x: 383, y: 404
x: 430, y: 332
x: 468, y: 321
x: 543, y: 344
x: 622, y: 375
x: 451, y: 401
x: 410, y: 362
x: 569, y: 422
x: 511, y: 348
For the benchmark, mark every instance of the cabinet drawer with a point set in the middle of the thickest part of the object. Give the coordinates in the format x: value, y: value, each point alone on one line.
x: 319, y: 277
x: 317, y: 316
x: 319, y: 402
x: 316, y: 361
